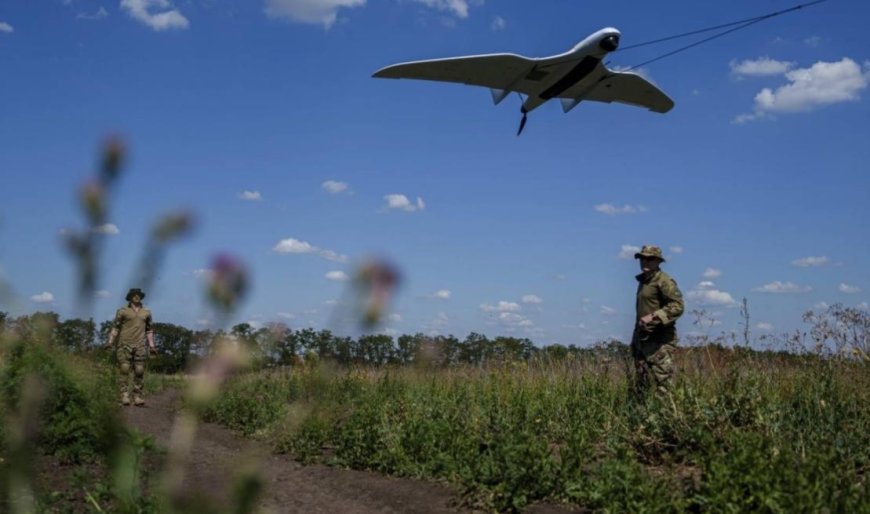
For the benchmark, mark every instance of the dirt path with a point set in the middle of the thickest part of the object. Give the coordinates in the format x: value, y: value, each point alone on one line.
x: 290, y: 486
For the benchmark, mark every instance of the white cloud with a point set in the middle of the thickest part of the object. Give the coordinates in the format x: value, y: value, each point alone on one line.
x: 251, y: 196
x: 763, y: 66
x: 706, y: 284
x: 335, y: 187
x: 338, y: 276
x: 807, y: 262
x: 286, y: 315
x: 44, y: 297
x: 397, y: 201
x: 316, y: 12
x: 291, y: 245
x: 849, y: 289
x: 102, y: 293
x: 503, y: 306
x: 821, y: 306
x: 108, y: 229
x: 532, y: 298
x: 628, y: 251
x: 437, y: 325
x: 442, y: 294
x: 812, y: 41
x: 613, y: 210
x: 764, y: 326
x: 676, y: 250
x: 512, y: 319
x: 203, y: 273
x: 145, y: 12
x: 5, y: 27
x: 394, y: 317
x: 740, y: 119
x: 712, y: 273
x: 607, y: 311
x: 99, y: 15
x: 863, y: 306
x: 457, y: 7
x: 823, y: 83
x: 498, y: 23
x: 706, y: 294
x: 782, y: 287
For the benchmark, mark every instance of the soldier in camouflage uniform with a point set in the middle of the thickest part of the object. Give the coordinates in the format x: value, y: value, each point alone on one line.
x: 659, y: 304
x: 132, y: 327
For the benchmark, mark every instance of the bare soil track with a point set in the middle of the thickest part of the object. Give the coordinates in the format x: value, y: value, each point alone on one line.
x: 290, y: 487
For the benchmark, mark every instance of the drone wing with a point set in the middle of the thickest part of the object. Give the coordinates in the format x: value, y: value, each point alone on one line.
x: 509, y: 72
x: 627, y: 88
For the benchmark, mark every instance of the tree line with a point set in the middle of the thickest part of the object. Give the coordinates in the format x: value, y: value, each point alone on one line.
x: 276, y: 344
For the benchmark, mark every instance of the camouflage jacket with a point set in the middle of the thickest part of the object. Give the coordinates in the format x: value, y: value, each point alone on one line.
x: 658, y: 295
x: 132, y: 325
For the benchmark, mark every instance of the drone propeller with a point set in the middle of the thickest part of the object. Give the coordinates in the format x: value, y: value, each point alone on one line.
x: 525, y: 114
x: 523, y: 122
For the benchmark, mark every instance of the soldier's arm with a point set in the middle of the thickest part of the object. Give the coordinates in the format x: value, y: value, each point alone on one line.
x: 673, y: 302
x: 149, y: 334
x: 116, y: 327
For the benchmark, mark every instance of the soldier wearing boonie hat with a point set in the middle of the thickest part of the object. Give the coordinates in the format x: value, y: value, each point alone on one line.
x: 132, y: 327
x: 659, y: 304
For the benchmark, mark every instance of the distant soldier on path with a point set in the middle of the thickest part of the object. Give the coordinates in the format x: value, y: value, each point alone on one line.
x: 132, y: 326
x: 659, y: 304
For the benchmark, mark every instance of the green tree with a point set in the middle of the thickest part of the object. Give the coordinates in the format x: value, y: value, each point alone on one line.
x: 76, y: 334
x: 173, y: 344
x: 376, y: 349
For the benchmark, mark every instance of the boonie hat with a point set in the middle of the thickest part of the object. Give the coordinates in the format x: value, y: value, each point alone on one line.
x: 653, y: 252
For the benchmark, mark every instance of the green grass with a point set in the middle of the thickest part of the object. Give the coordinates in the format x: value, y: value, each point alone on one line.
x: 743, y: 432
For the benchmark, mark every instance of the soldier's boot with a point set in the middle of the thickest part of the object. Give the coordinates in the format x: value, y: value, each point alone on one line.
x: 125, y: 398
x: 138, y: 401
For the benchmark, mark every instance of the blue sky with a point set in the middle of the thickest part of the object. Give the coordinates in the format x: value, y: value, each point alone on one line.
x: 262, y: 118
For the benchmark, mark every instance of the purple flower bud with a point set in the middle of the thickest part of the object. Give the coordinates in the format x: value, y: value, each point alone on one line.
x: 113, y: 158
x: 228, y: 282
x: 93, y: 201
x: 173, y: 226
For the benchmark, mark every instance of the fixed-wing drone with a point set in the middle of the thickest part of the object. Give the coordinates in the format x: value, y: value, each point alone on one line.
x: 572, y: 77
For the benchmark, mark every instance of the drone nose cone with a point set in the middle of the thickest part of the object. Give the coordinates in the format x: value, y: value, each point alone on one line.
x: 610, y: 43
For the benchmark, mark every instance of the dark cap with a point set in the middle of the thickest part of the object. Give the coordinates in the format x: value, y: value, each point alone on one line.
x: 135, y: 291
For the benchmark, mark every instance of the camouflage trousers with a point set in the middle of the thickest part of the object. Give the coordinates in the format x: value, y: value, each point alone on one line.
x: 653, y: 363
x: 132, y: 359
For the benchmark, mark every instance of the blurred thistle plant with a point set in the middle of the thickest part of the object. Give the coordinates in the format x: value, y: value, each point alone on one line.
x: 169, y: 228
x: 114, y: 154
x: 375, y: 282
x: 23, y: 431
x: 93, y: 199
x: 226, y: 288
x: 228, y: 283
x: 173, y: 226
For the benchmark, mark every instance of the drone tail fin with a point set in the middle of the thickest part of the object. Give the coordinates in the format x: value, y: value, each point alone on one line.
x: 569, y: 103
x: 498, y: 95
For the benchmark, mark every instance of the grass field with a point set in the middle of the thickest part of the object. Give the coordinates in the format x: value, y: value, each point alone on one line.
x: 743, y: 432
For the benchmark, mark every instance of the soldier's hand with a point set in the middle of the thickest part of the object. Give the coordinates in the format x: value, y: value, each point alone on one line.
x: 646, y: 319
x: 153, y: 350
